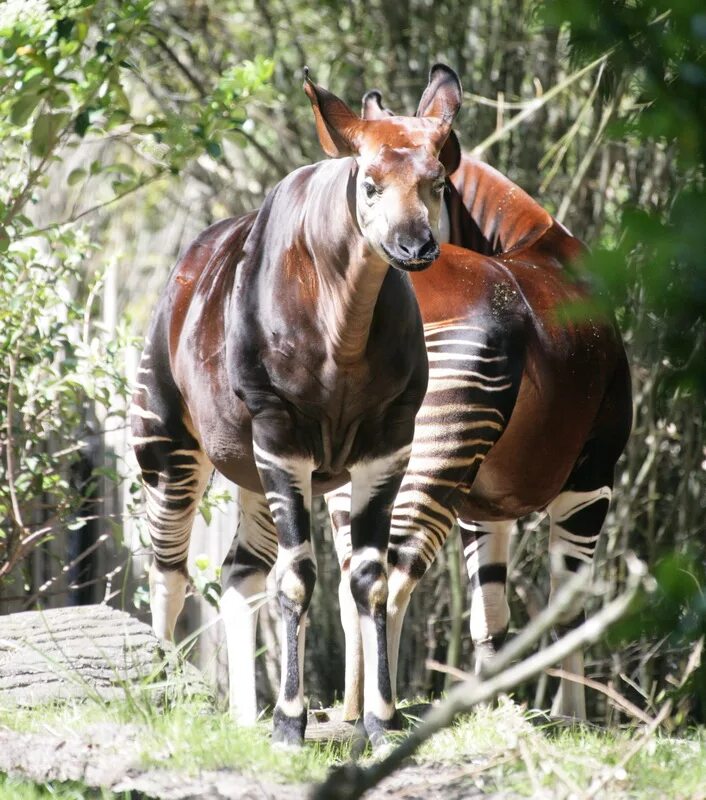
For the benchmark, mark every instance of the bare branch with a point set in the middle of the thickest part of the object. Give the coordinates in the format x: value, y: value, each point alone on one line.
x: 350, y: 781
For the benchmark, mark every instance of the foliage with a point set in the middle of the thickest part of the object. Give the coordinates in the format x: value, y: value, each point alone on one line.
x: 70, y: 72
x: 661, y: 51
x: 656, y: 269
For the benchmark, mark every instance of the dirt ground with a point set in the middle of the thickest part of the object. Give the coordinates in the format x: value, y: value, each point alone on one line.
x: 108, y: 756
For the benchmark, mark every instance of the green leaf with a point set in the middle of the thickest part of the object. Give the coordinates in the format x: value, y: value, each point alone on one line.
x: 23, y: 108
x: 214, y: 149
x: 59, y: 99
x: 46, y: 132
x: 75, y: 176
x: 82, y: 122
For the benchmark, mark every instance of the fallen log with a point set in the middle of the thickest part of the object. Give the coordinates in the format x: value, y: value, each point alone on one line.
x: 83, y: 652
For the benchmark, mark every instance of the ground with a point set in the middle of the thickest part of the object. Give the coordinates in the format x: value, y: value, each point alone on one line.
x: 131, y: 749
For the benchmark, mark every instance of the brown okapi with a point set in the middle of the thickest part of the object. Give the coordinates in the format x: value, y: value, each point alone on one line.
x: 524, y: 411
x: 287, y: 353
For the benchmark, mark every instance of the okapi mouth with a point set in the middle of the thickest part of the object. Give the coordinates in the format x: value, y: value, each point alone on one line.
x: 413, y: 264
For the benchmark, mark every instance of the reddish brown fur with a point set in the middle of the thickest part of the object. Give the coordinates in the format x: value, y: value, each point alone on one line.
x: 569, y: 367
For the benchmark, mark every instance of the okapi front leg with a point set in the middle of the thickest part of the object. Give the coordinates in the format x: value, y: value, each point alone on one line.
x: 485, y: 547
x: 374, y: 487
x: 245, y: 569
x: 287, y: 484
x: 576, y: 522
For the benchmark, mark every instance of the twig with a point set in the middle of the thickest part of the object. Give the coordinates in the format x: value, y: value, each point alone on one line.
x: 608, y: 691
x: 564, y: 145
x: 42, y: 590
x: 535, y: 105
x: 98, y: 206
x: 600, y: 783
x: 529, y: 766
x: 10, y: 446
x: 350, y: 781
x: 587, y: 160
x: 447, y: 669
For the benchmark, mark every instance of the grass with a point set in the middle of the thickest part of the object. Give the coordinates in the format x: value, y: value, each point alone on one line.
x: 501, y: 749
x: 12, y: 789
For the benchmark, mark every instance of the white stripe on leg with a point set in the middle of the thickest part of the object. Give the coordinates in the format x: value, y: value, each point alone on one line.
x: 239, y: 612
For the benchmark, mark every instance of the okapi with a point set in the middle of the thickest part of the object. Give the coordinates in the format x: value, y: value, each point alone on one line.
x: 287, y: 352
x: 525, y: 410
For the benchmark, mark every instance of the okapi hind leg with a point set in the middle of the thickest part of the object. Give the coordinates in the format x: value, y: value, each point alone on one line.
x: 175, y: 471
x: 338, y: 503
x: 576, y: 521
x: 172, y: 501
x: 485, y: 548
x: 576, y: 518
x: 243, y: 578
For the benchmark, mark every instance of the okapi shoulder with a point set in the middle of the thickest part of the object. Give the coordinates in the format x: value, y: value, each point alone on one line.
x: 461, y: 280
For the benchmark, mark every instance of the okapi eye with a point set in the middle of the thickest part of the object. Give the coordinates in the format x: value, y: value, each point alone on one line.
x: 439, y: 186
x: 370, y: 188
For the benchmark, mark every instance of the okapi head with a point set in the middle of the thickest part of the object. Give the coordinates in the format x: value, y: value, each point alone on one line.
x: 402, y: 166
x: 373, y: 109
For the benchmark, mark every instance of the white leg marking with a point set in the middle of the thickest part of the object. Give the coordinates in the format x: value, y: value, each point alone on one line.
x: 373, y: 700
x: 353, y: 693
x: 239, y: 612
x: 400, y: 588
x: 368, y: 477
x: 167, y: 593
x: 570, y: 699
x: 490, y: 612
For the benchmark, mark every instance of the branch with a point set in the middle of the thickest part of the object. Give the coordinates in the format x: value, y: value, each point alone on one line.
x: 92, y: 209
x: 350, y: 781
x: 618, y: 700
x: 535, y: 105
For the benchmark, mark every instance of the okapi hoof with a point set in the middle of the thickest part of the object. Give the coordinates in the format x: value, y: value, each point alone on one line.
x: 486, y: 650
x: 286, y: 730
x: 379, y: 731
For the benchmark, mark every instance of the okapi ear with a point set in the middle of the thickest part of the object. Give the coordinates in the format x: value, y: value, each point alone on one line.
x: 442, y: 98
x: 450, y: 155
x: 443, y: 95
x: 373, y: 107
x: 337, y: 127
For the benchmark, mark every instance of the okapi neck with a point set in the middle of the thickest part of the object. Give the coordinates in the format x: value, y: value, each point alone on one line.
x: 349, y: 273
x: 348, y: 303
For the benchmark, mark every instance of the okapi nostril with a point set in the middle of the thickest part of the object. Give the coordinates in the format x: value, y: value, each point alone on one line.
x: 411, y: 249
x: 430, y: 249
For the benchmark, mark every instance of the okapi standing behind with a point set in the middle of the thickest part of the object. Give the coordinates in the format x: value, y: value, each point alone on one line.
x: 289, y: 355
x: 525, y: 410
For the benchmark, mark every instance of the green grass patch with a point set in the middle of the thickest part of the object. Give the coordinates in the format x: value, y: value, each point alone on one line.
x: 517, y: 752
x: 191, y: 742
x: 14, y: 789
x: 494, y: 749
